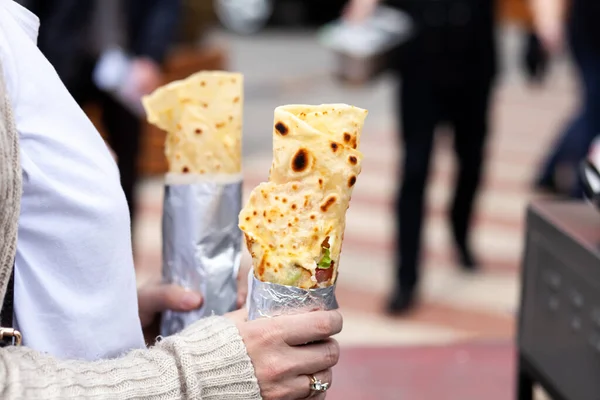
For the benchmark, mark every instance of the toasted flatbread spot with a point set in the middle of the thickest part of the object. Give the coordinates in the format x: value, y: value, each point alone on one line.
x: 236, y: 99
x: 281, y: 128
x: 247, y: 218
x: 334, y: 146
x: 328, y: 203
x: 300, y: 160
x: 179, y: 127
x: 347, y: 137
x: 255, y: 213
x: 284, y: 200
x: 220, y: 125
x: 352, y: 160
x: 185, y: 170
x: 294, y: 187
x: 198, y: 131
x: 351, y: 181
x: 294, y: 206
x: 203, y: 83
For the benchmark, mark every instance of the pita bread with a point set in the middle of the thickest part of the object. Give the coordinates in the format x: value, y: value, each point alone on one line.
x: 294, y: 224
x: 202, y: 116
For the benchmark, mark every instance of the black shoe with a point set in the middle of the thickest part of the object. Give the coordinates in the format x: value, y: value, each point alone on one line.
x: 401, y: 302
x: 466, y: 259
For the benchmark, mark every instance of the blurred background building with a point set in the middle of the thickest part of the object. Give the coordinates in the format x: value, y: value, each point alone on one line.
x: 457, y: 343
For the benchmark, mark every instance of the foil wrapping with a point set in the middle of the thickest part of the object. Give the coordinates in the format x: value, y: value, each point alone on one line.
x: 201, y: 243
x: 266, y: 300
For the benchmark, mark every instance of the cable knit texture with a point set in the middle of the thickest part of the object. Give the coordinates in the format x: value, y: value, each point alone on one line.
x: 207, y: 361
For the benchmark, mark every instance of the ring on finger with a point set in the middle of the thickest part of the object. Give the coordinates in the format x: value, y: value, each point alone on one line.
x: 317, y: 386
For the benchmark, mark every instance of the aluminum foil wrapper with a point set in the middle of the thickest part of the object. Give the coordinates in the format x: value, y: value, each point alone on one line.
x: 201, y: 243
x: 266, y: 300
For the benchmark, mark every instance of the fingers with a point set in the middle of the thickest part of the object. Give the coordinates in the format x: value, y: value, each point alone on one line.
x: 161, y: 297
x: 242, y: 286
x: 239, y: 316
x: 316, y: 357
x: 310, y: 327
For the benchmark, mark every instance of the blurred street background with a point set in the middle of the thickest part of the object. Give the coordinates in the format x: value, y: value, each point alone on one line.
x: 457, y: 341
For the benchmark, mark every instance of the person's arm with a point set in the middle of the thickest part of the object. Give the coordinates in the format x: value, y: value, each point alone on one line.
x: 549, y: 20
x: 357, y: 11
x: 204, y: 361
x: 159, y: 30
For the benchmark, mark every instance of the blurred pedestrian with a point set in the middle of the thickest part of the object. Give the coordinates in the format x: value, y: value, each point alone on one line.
x: 447, y: 72
x: 575, y: 22
x: 75, y: 34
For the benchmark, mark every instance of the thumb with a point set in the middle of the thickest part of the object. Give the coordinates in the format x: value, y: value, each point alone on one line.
x: 161, y: 297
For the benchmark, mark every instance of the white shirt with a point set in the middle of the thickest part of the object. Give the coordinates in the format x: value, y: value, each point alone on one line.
x: 75, y: 289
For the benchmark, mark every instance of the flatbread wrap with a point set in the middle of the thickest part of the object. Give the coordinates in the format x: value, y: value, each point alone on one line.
x: 202, y: 116
x: 201, y: 241
x: 294, y: 223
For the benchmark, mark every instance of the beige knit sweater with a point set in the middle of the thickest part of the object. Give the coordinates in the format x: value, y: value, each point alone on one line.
x: 207, y: 361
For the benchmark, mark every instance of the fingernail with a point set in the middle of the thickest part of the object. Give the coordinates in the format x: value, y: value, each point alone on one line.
x: 190, y: 300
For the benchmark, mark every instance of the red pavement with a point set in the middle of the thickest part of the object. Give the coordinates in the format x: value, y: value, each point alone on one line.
x: 468, y: 371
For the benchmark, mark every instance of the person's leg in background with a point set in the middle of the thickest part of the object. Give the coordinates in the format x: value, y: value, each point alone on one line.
x: 587, y: 59
x: 551, y: 178
x: 573, y: 145
x: 418, y: 114
x: 124, y: 135
x: 469, y: 115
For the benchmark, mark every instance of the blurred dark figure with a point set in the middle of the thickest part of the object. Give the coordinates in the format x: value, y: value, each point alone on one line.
x: 447, y: 71
x: 582, y: 21
x: 534, y: 58
x: 74, y: 33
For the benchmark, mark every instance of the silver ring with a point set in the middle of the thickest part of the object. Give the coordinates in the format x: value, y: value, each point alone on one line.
x: 316, y: 386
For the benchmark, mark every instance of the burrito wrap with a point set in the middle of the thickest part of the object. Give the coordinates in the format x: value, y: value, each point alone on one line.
x: 294, y: 224
x: 202, y: 116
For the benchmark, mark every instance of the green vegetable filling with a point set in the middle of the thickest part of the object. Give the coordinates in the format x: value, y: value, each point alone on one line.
x: 325, y: 262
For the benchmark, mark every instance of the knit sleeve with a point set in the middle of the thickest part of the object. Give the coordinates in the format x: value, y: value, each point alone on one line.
x: 207, y: 361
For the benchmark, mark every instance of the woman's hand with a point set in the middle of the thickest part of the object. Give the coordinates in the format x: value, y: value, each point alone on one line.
x: 549, y: 21
x: 357, y: 11
x: 156, y: 297
x: 286, y: 351
x: 242, y: 285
